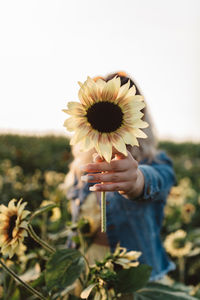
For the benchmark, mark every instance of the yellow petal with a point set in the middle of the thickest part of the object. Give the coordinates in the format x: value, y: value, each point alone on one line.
x: 136, y: 105
x: 92, y: 89
x: 84, y: 97
x: 138, y: 98
x: 3, y: 208
x: 87, y: 143
x: 100, y: 84
x: 131, y: 118
x: 111, y: 89
x: 119, y: 144
x: 24, y: 225
x: 139, y: 133
x: 131, y: 91
x: 11, y: 204
x: 80, y: 83
x: 72, y: 123
x: 123, y: 90
x: 79, y: 135
x: 73, y: 105
x: 105, y: 147
x: 25, y: 214
x: 133, y: 255
x: 140, y: 124
x: 21, y: 208
x: 69, y: 124
x: 2, y: 239
x: 130, y: 139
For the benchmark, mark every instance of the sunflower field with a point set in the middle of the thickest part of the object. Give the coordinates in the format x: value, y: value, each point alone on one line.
x: 33, y: 169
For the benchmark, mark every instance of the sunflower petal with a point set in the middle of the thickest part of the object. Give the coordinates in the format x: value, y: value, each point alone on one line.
x: 105, y: 147
x: 130, y: 139
x: 73, y: 122
x: 21, y: 208
x: 3, y: 208
x: 140, y: 124
x: 119, y: 144
x: 131, y: 91
x: 25, y: 214
x: 11, y: 204
x: 100, y: 84
x: 92, y: 89
x: 111, y: 89
x: 123, y: 90
x: 136, y: 105
x: 73, y: 105
x: 79, y: 135
x: 87, y: 143
x: 139, y: 133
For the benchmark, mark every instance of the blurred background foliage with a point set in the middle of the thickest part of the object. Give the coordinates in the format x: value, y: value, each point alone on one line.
x: 34, y: 168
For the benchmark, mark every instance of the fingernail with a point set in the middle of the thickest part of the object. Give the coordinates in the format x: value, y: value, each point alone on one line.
x: 87, y: 178
x: 93, y: 188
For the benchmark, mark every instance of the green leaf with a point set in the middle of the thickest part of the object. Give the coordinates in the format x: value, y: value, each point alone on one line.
x: 42, y: 210
x: 130, y: 280
x: 156, y: 291
x: 63, y: 268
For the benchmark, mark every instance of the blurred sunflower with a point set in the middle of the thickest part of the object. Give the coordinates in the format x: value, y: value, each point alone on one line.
x: 187, y: 211
x: 87, y: 226
x: 13, y: 227
x: 176, y: 244
x: 109, y: 115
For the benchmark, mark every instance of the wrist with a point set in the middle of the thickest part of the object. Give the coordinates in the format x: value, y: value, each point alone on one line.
x: 138, y: 186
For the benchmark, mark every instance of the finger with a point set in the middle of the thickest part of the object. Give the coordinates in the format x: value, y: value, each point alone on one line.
x: 116, y: 165
x: 97, y: 158
x: 121, y: 187
x: 110, y: 177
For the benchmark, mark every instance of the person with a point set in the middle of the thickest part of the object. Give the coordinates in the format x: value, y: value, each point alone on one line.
x: 136, y: 189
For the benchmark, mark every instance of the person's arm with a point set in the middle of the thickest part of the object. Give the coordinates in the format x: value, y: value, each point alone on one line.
x: 121, y: 174
x: 124, y: 175
x: 159, y: 177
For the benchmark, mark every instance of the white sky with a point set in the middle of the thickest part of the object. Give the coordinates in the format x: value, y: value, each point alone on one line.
x: 47, y: 46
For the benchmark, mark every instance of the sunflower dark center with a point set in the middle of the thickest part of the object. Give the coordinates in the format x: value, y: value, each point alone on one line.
x: 11, y: 226
x: 105, y: 116
x: 179, y: 243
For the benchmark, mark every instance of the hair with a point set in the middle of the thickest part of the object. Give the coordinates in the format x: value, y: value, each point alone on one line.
x: 147, y: 147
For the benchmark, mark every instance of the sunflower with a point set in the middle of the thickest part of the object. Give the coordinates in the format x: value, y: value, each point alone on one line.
x: 13, y: 227
x: 109, y: 115
x: 176, y: 244
x: 187, y: 211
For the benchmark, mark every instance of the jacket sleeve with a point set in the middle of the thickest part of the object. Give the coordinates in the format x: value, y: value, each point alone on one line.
x: 159, y: 177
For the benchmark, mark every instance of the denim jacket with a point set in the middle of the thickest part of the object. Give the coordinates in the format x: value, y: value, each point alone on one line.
x: 136, y: 223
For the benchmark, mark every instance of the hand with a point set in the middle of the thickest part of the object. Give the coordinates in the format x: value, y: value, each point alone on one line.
x: 121, y: 174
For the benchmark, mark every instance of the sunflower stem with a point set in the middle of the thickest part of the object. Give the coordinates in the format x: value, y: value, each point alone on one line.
x: 181, y: 262
x: 27, y: 286
x: 103, y: 211
x: 44, y: 244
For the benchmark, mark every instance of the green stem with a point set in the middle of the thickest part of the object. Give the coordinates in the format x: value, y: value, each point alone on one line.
x: 27, y: 286
x: 181, y: 262
x: 103, y: 211
x: 44, y: 244
x: 82, y: 242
